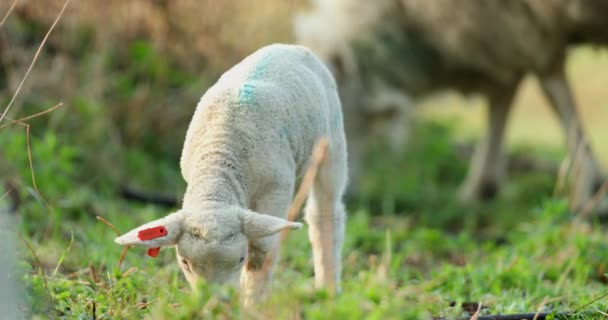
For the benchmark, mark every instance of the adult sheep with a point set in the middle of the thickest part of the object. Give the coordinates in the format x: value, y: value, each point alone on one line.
x: 384, y: 53
x: 247, y: 147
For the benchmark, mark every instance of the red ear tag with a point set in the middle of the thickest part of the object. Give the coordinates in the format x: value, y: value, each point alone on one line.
x: 152, y: 233
x: 153, y: 252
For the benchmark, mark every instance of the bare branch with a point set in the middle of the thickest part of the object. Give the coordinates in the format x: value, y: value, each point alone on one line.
x: 107, y: 223
x: 8, y: 13
x: 33, y: 61
x: 317, y: 157
x: 30, y: 116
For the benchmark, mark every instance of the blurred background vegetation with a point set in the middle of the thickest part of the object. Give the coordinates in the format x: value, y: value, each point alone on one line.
x: 129, y: 75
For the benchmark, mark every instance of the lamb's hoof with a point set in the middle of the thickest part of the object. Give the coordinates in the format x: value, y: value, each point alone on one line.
x: 479, y: 192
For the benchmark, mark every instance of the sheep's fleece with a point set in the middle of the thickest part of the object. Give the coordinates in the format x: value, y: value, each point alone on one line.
x: 246, y: 150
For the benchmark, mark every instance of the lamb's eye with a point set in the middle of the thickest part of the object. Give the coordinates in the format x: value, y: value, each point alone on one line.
x: 242, y: 259
x: 230, y: 237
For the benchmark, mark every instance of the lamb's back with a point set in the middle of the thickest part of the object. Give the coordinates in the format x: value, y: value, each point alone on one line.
x: 274, y: 104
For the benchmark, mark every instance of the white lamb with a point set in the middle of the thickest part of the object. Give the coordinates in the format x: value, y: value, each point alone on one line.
x: 247, y: 148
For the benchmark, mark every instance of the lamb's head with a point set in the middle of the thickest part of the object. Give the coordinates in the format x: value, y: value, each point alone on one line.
x: 212, y: 244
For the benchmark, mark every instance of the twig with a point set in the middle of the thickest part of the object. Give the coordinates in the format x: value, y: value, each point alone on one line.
x: 317, y: 157
x: 33, y: 61
x: 129, y: 271
x: 6, y: 194
x: 591, y: 302
x: 144, y: 305
x: 31, y: 116
x: 126, y: 248
x: 29, y: 157
x: 540, y: 307
x: 475, y: 315
x: 77, y: 273
x: 94, y: 309
x: 107, y: 223
x: 595, y: 200
x: 29, y: 151
x: 92, y: 272
x: 65, y: 253
x: 11, y: 191
x: 38, y: 263
x: 122, y: 257
x: 8, y: 13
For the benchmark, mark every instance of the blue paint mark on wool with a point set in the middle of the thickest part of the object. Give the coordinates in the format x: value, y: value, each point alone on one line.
x: 247, y: 91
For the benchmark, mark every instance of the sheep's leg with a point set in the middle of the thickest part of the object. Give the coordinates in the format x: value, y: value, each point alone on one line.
x: 488, y: 164
x: 264, y: 252
x: 585, y: 169
x: 325, y: 215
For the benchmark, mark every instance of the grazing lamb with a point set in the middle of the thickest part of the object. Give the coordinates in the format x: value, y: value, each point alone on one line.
x: 246, y: 149
x: 384, y: 53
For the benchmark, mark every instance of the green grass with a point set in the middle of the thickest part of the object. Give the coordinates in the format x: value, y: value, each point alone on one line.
x: 421, y: 260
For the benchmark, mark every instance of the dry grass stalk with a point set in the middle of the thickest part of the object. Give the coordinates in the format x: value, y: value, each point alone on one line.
x: 475, y: 315
x: 107, y: 223
x: 126, y: 248
x: 29, y: 150
x: 38, y: 264
x: 5, y: 194
x: 122, y: 256
x: 540, y: 307
x: 595, y: 200
x: 31, y: 163
x: 92, y: 272
x: 30, y: 116
x: 144, y: 305
x: 129, y: 271
x: 8, y: 13
x: 29, y: 69
x: 317, y: 157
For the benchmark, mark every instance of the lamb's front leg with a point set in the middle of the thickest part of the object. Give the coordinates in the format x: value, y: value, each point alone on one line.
x: 264, y: 252
x: 257, y: 273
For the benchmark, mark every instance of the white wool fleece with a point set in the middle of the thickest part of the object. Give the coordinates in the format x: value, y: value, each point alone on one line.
x: 247, y: 147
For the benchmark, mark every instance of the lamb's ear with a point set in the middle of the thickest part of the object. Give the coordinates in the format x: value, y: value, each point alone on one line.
x: 257, y: 225
x: 162, y: 232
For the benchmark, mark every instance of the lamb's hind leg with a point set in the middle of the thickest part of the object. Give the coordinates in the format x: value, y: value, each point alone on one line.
x: 585, y: 168
x: 325, y: 215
